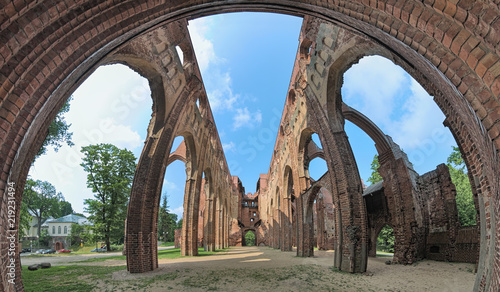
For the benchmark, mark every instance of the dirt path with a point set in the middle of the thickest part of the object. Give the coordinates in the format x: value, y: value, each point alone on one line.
x: 265, y: 269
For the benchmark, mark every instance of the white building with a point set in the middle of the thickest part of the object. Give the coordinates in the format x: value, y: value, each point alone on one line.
x: 60, y: 229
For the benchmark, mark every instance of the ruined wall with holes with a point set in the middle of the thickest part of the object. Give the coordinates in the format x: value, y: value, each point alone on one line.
x: 443, y: 238
x: 447, y: 240
x: 450, y: 47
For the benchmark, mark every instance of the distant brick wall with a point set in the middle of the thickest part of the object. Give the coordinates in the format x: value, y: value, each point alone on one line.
x: 178, y: 238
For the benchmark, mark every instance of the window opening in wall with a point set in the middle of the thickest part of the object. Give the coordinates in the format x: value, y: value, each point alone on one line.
x: 180, y: 53
x: 385, y: 241
x: 250, y: 238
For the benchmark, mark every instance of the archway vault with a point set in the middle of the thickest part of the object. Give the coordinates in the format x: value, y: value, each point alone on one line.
x: 450, y: 47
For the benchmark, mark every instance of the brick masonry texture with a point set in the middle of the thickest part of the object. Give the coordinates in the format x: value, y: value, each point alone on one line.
x: 47, y: 48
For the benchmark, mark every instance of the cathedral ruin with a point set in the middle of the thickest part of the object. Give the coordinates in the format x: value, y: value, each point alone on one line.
x: 449, y: 47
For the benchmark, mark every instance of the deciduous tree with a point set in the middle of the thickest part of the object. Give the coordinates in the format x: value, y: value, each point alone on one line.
x: 58, y: 132
x: 110, y: 172
x: 41, y: 198
x: 465, y: 202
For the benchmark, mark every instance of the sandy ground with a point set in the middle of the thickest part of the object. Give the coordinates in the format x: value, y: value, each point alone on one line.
x: 266, y: 269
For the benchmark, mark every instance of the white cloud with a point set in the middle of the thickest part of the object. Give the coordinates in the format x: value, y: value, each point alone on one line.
x: 168, y: 186
x: 221, y: 97
x: 229, y: 146
x: 179, y: 211
x: 105, y: 109
x: 420, y: 121
x: 243, y: 118
x: 205, y: 53
x: 372, y: 86
x: 400, y: 107
x: 217, y: 83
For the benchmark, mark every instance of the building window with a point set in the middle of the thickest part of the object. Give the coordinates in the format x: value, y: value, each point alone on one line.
x: 254, y: 213
x: 58, y: 229
x: 65, y: 229
x: 53, y: 230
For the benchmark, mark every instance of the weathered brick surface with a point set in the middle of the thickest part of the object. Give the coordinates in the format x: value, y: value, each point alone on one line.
x: 47, y: 49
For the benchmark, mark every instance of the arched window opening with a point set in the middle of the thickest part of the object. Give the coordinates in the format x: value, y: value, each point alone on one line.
x: 385, y: 241
x: 317, y: 168
x: 180, y: 53
x: 250, y: 239
x: 113, y: 106
x: 177, y: 142
x: 173, y: 188
x: 394, y: 110
x: 316, y: 140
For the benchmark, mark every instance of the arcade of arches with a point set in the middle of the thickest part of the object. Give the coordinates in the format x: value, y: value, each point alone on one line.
x: 449, y: 47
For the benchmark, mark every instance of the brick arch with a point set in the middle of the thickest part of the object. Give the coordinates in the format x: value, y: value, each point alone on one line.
x: 364, y: 123
x: 178, y: 154
x: 147, y: 69
x: 307, y: 247
x: 210, y: 210
x: 45, y: 51
x: 400, y: 189
x: 244, y: 233
x: 285, y: 209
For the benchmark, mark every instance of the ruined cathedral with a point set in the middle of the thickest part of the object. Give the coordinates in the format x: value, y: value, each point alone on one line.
x: 450, y: 47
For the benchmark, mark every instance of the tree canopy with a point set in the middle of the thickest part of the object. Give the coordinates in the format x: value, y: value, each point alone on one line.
x: 375, y: 177
x: 110, y: 172
x: 42, y: 200
x: 465, y: 202
x: 58, y: 132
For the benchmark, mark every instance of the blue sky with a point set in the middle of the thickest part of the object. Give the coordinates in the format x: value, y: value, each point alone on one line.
x: 246, y: 61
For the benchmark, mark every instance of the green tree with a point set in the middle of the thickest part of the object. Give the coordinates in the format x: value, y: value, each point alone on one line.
x: 110, y: 172
x: 385, y: 239
x: 465, y: 202
x: 250, y: 238
x: 167, y: 222
x: 24, y: 220
x: 62, y: 208
x: 45, y: 238
x: 179, y: 224
x: 58, y: 132
x: 41, y: 198
x: 375, y: 176
x: 81, y: 233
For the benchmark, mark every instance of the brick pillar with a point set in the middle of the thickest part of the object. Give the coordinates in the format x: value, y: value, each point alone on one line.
x: 286, y: 226
x: 210, y: 225
x: 277, y: 228
x: 189, y: 245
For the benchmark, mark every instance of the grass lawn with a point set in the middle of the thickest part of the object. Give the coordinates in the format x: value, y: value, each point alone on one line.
x: 65, y: 278
x: 83, y: 278
x: 384, y: 254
